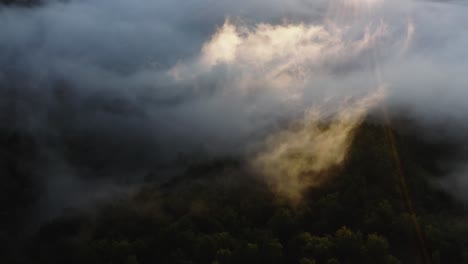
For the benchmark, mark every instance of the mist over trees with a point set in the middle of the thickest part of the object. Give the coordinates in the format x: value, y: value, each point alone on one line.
x: 128, y: 131
x: 219, y: 212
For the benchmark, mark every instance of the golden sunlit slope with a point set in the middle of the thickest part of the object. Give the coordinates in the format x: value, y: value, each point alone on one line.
x: 298, y: 158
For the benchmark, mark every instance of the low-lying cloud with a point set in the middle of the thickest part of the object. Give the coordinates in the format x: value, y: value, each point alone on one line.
x: 119, y: 89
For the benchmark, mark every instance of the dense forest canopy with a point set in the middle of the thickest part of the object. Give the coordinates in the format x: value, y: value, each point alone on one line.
x: 219, y: 212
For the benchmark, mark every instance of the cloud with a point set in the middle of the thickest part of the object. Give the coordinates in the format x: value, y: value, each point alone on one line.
x: 301, y: 157
x: 120, y: 88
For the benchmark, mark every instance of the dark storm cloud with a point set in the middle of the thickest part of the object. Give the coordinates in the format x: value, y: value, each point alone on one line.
x: 88, y: 80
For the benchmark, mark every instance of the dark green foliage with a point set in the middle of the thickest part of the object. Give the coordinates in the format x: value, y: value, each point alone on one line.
x: 219, y: 213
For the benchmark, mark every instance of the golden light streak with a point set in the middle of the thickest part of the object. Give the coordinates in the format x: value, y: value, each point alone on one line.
x: 410, y: 30
x: 405, y: 191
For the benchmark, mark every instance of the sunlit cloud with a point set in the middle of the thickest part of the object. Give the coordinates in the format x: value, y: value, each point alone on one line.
x: 288, y: 58
x: 284, y: 57
x: 301, y: 156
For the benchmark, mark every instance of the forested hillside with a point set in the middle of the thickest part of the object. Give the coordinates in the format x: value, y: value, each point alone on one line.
x: 232, y: 132
x: 219, y: 212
